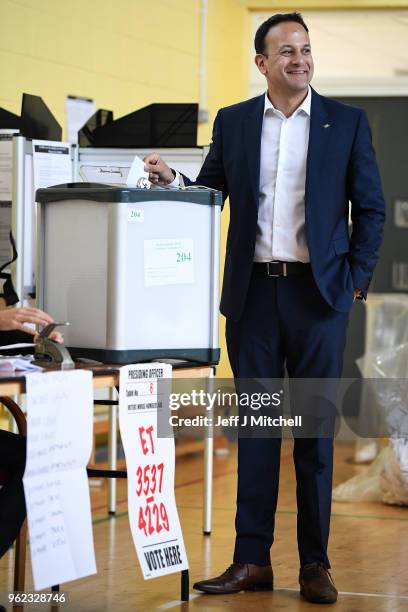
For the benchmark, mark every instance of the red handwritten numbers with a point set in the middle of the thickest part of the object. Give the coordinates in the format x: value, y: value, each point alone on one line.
x: 153, y: 516
x: 149, y: 479
x: 146, y: 438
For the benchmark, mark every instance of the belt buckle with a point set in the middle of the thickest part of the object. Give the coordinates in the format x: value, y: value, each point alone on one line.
x: 268, y: 273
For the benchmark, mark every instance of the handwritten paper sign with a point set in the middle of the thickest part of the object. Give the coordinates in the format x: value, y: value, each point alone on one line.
x: 59, y: 442
x: 153, y: 516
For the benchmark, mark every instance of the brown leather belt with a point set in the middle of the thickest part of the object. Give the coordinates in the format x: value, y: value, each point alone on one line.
x: 280, y: 268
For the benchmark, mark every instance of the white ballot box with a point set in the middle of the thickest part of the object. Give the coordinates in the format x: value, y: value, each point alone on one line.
x: 134, y: 271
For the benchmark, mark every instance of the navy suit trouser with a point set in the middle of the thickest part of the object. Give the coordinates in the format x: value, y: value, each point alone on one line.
x: 286, y: 322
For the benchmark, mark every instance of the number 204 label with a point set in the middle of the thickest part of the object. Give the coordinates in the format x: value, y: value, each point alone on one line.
x: 136, y: 215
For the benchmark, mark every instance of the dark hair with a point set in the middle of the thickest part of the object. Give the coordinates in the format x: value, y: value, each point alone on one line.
x: 270, y: 23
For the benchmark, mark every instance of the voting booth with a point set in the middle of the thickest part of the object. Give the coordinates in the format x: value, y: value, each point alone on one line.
x: 134, y: 271
x: 31, y: 156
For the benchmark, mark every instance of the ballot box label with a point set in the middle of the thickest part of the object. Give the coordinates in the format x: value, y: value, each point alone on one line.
x: 168, y: 261
x: 135, y: 215
x: 153, y: 516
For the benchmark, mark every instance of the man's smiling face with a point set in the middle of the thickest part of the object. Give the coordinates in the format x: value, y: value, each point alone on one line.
x: 286, y: 61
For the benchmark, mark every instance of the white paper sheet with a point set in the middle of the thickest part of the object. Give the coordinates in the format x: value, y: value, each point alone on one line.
x: 168, y: 262
x: 18, y: 345
x: 78, y: 110
x: 51, y: 163
x: 59, y: 443
x: 153, y: 516
x: 136, y: 173
x: 6, y: 163
x: 22, y: 363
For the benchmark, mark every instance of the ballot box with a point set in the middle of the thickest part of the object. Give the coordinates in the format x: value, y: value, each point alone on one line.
x: 134, y: 271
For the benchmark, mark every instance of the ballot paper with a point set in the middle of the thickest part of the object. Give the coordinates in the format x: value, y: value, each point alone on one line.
x: 153, y: 516
x: 59, y: 442
x: 136, y: 173
x: 23, y: 363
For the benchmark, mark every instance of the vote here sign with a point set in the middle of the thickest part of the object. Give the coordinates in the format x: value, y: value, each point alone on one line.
x: 154, y: 522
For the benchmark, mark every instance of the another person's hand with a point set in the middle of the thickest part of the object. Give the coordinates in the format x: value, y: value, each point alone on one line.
x: 56, y: 336
x: 159, y: 172
x: 16, y: 319
x: 357, y: 294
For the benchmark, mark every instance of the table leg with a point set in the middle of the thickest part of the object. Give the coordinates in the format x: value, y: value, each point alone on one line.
x: 208, y: 464
x: 112, y: 450
x: 20, y: 558
x: 185, y: 585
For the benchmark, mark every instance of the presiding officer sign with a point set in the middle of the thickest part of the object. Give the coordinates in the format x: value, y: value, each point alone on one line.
x: 153, y: 516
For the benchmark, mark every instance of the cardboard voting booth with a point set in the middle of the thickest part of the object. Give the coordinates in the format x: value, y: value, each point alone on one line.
x: 21, y: 171
x: 134, y: 271
x: 156, y: 125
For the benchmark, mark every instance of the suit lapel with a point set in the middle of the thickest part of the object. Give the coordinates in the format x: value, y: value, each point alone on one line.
x: 319, y: 135
x: 252, y: 142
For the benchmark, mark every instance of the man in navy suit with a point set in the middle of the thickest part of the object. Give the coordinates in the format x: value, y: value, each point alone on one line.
x: 290, y: 162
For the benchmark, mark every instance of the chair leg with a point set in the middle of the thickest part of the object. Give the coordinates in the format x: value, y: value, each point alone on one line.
x: 20, y: 558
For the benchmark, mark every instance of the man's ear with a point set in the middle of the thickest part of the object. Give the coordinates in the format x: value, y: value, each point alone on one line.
x: 260, y: 62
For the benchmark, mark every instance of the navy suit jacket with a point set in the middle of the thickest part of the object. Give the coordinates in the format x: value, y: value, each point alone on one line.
x: 341, y: 167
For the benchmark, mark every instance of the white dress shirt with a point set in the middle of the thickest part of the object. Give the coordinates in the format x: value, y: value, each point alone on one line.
x: 281, y: 233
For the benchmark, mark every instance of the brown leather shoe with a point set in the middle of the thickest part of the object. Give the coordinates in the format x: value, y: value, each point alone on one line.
x: 239, y: 577
x: 316, y: 584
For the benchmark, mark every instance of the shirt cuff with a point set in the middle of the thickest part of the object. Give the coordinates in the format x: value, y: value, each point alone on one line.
x: 176, y: 181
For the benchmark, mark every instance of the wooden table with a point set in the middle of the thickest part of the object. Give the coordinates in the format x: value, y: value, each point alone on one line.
x: 104, y: 376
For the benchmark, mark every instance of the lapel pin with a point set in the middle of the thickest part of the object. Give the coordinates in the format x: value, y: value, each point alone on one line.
x: 326, y: 125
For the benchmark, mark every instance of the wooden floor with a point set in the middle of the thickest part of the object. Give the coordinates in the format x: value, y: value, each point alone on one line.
x: 368, y: 550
